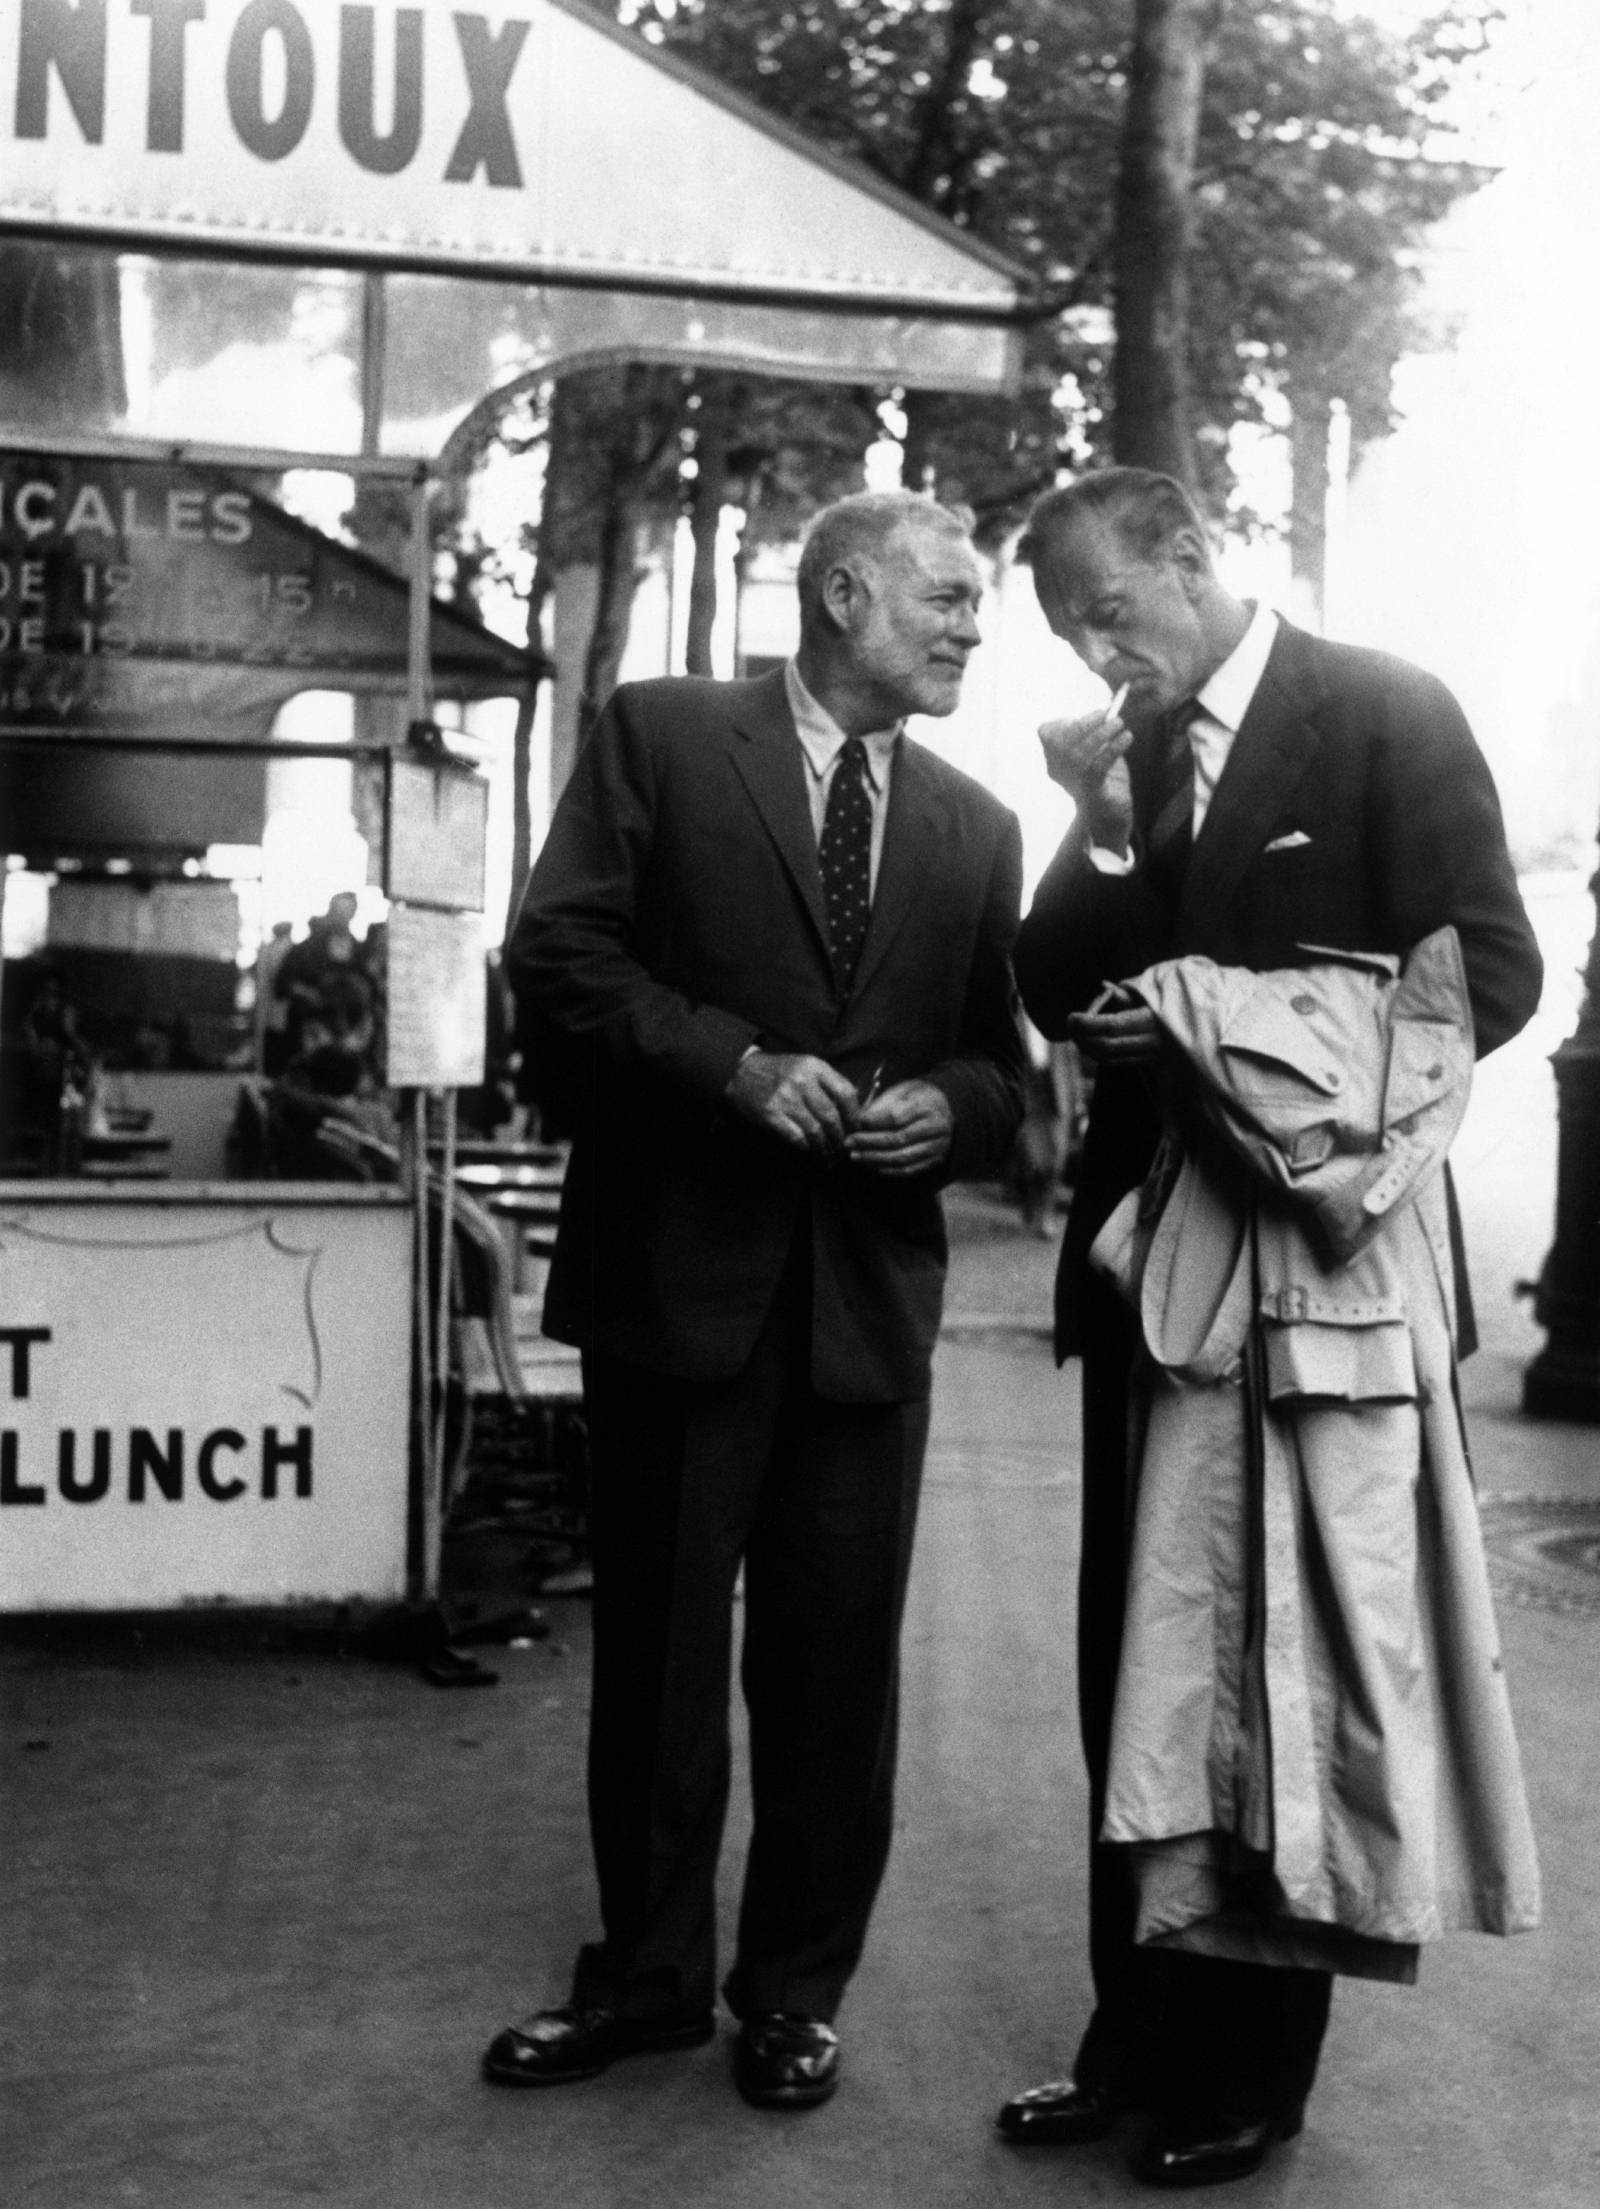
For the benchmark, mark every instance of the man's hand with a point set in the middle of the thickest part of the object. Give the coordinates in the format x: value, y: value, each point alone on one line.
x: 1085, y: 758
x: 908, y: 1130
x: 1116, y: 1031
x: 802, y: 1100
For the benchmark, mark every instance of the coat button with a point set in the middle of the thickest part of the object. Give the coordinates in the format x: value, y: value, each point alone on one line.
x: 1302, y: 1003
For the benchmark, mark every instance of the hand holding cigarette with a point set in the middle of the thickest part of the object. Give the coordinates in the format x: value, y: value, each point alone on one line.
x: 1084, y: 757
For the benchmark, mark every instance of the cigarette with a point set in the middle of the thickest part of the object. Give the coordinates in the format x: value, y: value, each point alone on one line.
x: 872, y: 1088
x: 1115, y: 706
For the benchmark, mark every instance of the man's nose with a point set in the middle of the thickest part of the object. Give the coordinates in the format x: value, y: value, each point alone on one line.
x: 966, y: 627
x: 1096, y: 652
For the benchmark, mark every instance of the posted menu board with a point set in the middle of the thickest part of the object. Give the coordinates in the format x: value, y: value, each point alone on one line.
x: 436, y: 1000
x: 436, y: 834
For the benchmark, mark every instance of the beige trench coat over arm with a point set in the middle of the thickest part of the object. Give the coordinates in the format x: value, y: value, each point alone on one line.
x: 1312, y: 1750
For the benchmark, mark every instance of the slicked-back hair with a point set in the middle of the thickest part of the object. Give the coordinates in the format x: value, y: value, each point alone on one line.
x: 857, y: 529
x: 1145, y: 508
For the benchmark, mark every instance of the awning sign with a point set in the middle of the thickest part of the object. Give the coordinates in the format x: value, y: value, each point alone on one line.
x: 125, y: 586
x: 532, y: 139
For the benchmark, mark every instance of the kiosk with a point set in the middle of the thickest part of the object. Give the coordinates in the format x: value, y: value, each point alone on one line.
x: 214, y: 1383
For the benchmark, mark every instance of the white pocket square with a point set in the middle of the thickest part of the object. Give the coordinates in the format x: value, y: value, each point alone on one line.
x: 1292, y: 842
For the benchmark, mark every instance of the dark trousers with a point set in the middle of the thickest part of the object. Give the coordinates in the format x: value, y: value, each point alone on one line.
x: 818, y: 1500
x: 1168, y: 2028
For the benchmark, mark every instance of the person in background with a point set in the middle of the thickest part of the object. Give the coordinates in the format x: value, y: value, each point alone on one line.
x: 772, y: 936
x: 331, y: 947
x: 1253, y: 794
x: 273, y: 1046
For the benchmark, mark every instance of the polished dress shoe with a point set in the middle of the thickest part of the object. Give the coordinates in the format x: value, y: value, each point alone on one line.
x: 783, y: 2060
x: 1060, y: 2114
x: 1195, y: 2150
x: 553, y: 2046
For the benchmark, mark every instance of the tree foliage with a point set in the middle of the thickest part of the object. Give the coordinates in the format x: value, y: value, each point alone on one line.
x: 1318, y: 170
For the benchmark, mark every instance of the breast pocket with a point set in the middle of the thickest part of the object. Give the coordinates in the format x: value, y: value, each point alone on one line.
x: 1286, y: 891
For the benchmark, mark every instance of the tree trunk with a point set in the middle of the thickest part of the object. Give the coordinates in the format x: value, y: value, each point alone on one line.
x: 934, y: 172
x: 1309, y: 422
x: 918, y: 471
x: 609, y: 430
x: 522, y: 749
x: 719, y: 396
x: 619, y: 579
x: 1153, y: 425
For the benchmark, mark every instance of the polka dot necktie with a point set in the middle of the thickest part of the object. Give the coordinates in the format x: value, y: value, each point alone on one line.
x: 845, y: 852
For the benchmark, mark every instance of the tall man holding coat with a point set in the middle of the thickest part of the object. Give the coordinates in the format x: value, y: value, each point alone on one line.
x: 772, y: 937
x: 1260, y: 793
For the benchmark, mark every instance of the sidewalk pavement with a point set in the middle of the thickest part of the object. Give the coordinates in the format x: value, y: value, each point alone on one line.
x: 268, y: 1899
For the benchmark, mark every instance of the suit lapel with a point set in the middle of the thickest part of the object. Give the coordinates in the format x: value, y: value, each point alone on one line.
x: 765, y: 751
x: 911, y: 837
x: 1274, y: 745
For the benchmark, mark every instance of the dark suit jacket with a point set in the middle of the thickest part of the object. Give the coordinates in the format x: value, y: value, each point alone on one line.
x: 1368, y: 763
x: 674, y: 918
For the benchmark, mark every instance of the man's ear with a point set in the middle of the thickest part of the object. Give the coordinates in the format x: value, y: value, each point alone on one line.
x: 843, y: 596
x: 1191, y: 556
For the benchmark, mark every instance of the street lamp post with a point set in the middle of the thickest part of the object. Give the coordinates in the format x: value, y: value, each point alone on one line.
x: 1563, y: 1381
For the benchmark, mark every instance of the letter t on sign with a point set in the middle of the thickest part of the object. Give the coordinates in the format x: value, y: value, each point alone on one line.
x: 22, y: 1340
x: 169, y: 19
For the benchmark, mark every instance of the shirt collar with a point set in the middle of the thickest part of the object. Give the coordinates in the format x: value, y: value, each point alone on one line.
x: 822, y: 739
x: 1225, y: 695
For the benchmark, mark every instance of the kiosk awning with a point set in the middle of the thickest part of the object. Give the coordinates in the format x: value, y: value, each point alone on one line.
x: 537, y: 143
x: 144, y: 600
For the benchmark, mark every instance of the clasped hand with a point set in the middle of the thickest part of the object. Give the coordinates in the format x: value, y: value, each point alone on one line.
x: 810, y: 1105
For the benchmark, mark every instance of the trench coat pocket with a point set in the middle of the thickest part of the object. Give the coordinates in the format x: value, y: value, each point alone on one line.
x: 1274, y: 1054
x: 1348, y: 1361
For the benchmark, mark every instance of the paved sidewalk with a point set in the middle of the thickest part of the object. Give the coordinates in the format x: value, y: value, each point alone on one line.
x: 266, y: 1900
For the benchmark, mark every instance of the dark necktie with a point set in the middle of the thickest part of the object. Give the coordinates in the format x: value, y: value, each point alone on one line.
x: 1171, y: 829
x: 845, y: 852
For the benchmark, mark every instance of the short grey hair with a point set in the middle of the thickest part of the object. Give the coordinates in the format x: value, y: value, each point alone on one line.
x: 858, y: 528
x: 1145, y: 508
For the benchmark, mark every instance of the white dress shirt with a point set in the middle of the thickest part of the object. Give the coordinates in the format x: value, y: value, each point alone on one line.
x: 821, y: 742
x: 1222, y: 702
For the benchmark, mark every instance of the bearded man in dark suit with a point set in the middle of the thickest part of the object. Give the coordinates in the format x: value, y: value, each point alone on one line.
x: 774, y: 935
x: 1261, y: 792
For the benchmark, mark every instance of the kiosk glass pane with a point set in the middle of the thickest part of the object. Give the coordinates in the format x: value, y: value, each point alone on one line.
x: 212, y: 351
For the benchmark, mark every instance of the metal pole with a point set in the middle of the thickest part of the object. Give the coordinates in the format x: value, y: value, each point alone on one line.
x: 441, y: 1343
x: 374, y: 359
x: 419, y: 687
x: 413, y: 1172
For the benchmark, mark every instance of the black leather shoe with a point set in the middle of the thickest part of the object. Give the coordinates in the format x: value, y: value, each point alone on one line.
x: 785, y: 2061
x: 553, y: 2046
x: 1059, y: 2114
x: 1197, y: 2151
